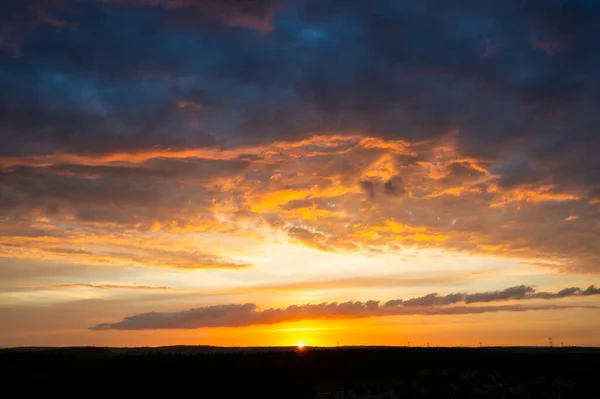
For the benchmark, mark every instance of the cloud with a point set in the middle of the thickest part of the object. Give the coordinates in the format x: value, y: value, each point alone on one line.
x: 369, y: 127
x: 520, y: 292
x: 256, y: 14
x: 111, y: 287
x: 334, y: 193
x: 183, y: 104
x: 249, y: 314
x: 25, y: 277
x: 110, y: 250
x: 106, y: 244
x: 591, y: 290
x: 98, y: 213
x: 19, y: 20
x: 322, y: 68
x: 361, y: 282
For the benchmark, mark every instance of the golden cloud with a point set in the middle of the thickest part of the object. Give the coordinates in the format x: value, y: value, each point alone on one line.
x: 333, y: 193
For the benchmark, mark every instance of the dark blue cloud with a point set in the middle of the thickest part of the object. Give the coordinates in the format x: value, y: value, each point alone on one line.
x: 517, y: 79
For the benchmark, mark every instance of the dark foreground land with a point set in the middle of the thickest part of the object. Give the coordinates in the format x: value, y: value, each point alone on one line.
x: 374, y: 373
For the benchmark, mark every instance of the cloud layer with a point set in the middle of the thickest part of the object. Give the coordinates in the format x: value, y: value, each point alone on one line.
x: 333, y: 193
x: 431, y: 304
x: 347, y: 126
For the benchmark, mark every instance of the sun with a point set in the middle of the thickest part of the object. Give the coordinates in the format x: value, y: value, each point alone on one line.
x: 300, y: 345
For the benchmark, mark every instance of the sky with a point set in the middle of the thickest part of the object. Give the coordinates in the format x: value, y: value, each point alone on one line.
x: 269, y: 172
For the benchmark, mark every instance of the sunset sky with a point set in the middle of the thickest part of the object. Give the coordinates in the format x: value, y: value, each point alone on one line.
x: 268, y: 172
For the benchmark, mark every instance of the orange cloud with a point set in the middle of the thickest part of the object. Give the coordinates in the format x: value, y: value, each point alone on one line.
x: 116, y: 249
x: 183, y: 104
x: 333, y: 193
x: 533, y: 195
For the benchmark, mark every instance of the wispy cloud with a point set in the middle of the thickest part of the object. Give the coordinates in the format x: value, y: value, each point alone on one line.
x: 112, y: 287
x: 111, y: 249
x: 362, y: 282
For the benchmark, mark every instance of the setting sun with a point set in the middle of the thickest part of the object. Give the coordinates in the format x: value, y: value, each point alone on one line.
x: 300, y: 345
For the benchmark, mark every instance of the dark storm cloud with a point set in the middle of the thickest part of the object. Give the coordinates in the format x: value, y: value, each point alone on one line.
x: 249, y: 314
x: 256, y: 14
x: 18, y: 19
x: 408, y: 70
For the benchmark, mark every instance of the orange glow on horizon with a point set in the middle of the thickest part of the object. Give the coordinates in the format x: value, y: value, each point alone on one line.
x: 328, y: 210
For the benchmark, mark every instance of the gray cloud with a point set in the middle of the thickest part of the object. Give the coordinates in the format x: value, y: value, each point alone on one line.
x: 249, y: 314
x: 519, y: 292
x: 591, y: 290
